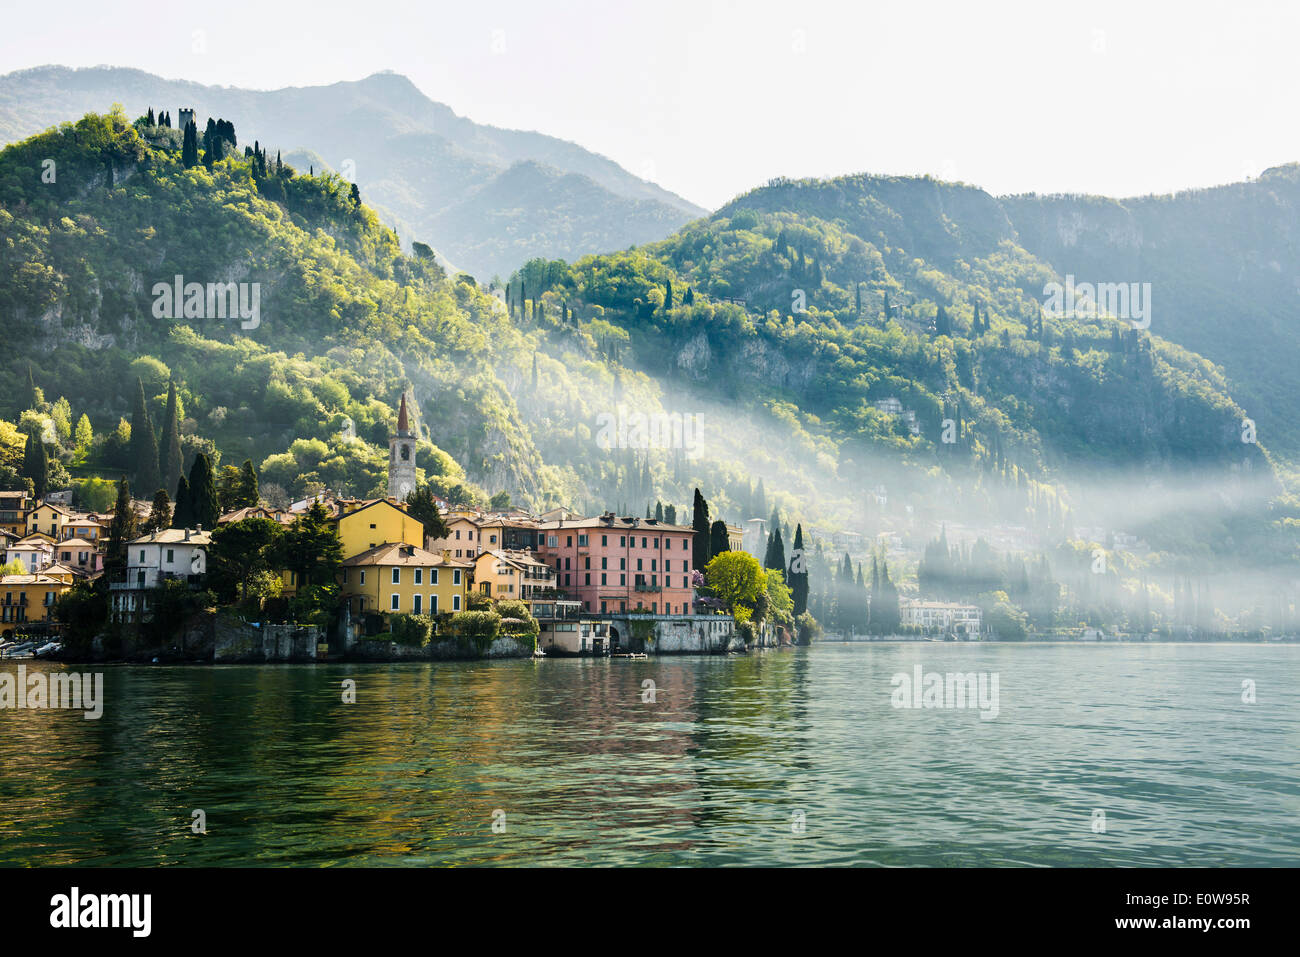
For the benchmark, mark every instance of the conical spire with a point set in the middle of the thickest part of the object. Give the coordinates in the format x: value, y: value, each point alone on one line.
x: 402, y: 425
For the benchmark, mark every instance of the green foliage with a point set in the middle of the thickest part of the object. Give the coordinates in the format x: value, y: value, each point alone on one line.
x: 414, y: 631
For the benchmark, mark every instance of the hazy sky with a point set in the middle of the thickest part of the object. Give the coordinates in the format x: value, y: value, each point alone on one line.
x: 712, y: 98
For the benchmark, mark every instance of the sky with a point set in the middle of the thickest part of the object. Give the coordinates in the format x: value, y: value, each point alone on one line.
x: 710, y: 99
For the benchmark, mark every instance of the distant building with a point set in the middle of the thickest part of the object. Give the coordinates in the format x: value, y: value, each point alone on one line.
x: 940, y: 616
x: 503, y: 575
x: 399, y: 578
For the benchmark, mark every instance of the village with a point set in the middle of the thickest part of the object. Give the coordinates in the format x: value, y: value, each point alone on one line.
x: 575, y: 585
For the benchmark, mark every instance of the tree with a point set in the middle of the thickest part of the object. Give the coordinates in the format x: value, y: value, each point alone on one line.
x: 797, y: 573
x: 120, y: 532
x: 160, y: 515
x: 241, y: 550
x: 718, y: 542
x: 144, y: 444
x: 171, y: 460
x: 204, y: 506
x: 700, y: 546
x: 249, y: 494
x: 423, y: 507
x: 775, y: 556
x: 183, y: 514
x: 36, y: 463
x: 311, y: 548
x: 84, y: 436
x: 737, y: 580
x: 190, y: 146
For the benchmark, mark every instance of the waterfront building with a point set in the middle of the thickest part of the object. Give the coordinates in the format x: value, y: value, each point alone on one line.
x: 173, y: 554
x: 401, y: 578
x: 940, y: 616
x: 613, y: 564
x: 29, y: 598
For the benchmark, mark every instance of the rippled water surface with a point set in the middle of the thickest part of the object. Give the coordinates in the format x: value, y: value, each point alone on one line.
x: 778, y: 758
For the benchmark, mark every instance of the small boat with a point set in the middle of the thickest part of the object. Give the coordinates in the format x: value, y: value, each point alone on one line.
x: 631, y: 654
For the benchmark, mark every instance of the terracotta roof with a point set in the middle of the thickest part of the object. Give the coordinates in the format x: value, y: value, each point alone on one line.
x: 399, y: 553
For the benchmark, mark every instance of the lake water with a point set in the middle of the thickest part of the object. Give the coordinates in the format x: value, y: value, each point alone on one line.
x: 777, y: 758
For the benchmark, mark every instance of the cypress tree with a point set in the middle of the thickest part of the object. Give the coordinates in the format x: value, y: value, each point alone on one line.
x: 203, y: 493
x: 190, y: 146
x: 171, y: 459
x: 250, y: 495
x: 144, y: 444
x: 36, y: 463
x: 796, y: 575
x: 718, y: 542
x: 700, y: 523
x: 120, y: 531
x: 183, y: 513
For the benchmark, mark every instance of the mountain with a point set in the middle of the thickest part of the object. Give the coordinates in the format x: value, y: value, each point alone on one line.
x: 439, y: 178
x: 1224, y: 268
x: 873, y: 351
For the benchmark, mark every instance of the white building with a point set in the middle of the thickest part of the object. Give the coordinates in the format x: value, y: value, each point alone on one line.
x: 940, y: 616
x: 174, y: 554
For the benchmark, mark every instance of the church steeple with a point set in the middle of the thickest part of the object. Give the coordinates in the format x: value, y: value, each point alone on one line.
x: 401, y: 457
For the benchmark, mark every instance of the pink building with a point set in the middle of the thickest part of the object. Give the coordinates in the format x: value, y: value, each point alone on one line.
x: 617, y: 564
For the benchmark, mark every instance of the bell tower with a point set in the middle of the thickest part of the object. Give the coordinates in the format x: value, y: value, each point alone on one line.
x: 401, y: 457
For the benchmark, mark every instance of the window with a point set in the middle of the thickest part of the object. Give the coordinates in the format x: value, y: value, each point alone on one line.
x: 345, y: 576
x: 604, y: 563
x: 683, y: 544
x: 415, y: 605
x: 419, y: 579
x: 582, y: 541
x: 396, y: 602
x: 455, y: 603
x: 603, y: 582
x: 433, y: 604
x: 643, y: 541
x: 568, y: 543
x: 363, y: 576
x: 588, y: 578
x: 622, y: 564
x: 171, y: 556
x: 142, y: 556
x: 552, y: 540
x: 622, y: 541
x: 604, y: 540
x: 588, y: 562
x: 397, y: 576
x: 656, y: 543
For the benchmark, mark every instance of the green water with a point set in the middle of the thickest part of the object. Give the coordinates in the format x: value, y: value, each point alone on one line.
x: 719, y: 770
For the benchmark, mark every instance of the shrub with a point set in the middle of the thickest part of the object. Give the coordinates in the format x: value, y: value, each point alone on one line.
x: 414, y: 631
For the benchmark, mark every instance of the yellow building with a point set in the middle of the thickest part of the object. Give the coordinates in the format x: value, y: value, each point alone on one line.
x: 374, y: 523
x: 30, y: 598
x: 504, y: 574
x: 48, y: 519
x: 400, y: 578
x: 14, y: 507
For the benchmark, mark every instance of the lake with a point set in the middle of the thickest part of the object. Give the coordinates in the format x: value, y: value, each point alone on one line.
x: 1099, y: 754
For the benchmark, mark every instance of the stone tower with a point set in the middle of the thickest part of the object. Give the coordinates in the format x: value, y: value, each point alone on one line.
x: 186, y: 116
x: 401, y: 457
